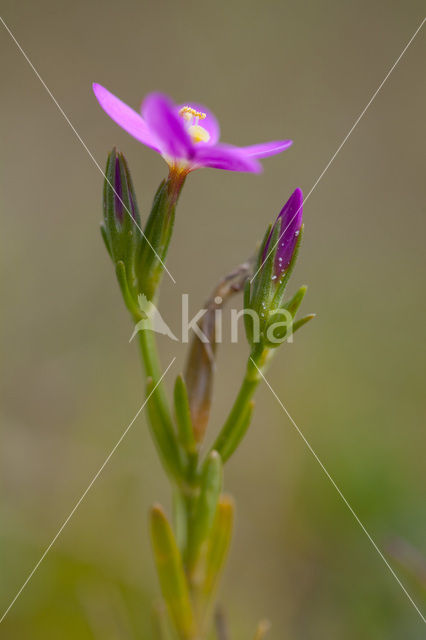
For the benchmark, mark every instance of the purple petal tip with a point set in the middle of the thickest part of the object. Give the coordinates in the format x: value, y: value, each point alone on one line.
x: 290, y: 217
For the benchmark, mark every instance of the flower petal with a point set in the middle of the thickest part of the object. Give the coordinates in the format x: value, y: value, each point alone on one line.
x: 209, y: 123
x: 124, y: 116
x: 226, y: 157
x: 168, y: 127
x: 266, y: 149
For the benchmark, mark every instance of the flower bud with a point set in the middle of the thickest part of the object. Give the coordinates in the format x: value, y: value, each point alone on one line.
x: 289, y: 222
x: 157, y: 234
x: 264, y: 293
x: 120, y: 228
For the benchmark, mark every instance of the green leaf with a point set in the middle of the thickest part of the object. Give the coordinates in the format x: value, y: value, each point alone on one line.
x: 171, y: 575
x: 239, y: 417
x: 164, y: 439
x: 205, y: 507
x: 217, y: 551
x: 183, y: 416
x: 234, y: 436
x: 180, y: 518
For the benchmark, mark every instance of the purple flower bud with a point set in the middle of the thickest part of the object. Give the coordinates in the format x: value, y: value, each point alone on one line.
x: 291, y: 223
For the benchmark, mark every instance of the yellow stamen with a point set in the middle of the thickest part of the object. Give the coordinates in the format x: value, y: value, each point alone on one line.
x: 188, y: 112
x: 198, y: 134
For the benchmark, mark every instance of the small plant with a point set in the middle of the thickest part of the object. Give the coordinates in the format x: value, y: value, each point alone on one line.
x: 191, y: 552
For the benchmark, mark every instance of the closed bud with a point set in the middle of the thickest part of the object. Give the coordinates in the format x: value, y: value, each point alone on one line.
x: 289, y: 222
x: 120, y: 228
x: 157, y: 234
x: 264, y: 294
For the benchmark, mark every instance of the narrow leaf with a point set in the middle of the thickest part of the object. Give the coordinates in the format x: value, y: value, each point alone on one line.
x: 180, y: 519
x: 163, y: 439
x: 171, y: 574
x: 293, y: 305
x: 302, y: 321
x: 183, y: 416
x: 217, y: 551
x: 205, y: 506
x: 234, y: 436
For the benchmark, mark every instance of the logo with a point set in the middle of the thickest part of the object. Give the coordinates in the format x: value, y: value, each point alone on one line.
x: 152, y: 320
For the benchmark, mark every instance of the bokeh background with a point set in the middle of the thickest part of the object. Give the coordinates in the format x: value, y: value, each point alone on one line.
x: 353, y: 379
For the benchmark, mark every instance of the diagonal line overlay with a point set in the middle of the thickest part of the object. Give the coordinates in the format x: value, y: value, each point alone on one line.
x: 80, y: 139
x: 340, y: 493
x: 84, y: 494
x: 345, y: 139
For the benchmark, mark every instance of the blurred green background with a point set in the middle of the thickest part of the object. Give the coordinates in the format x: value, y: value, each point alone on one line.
x: 353, y: 380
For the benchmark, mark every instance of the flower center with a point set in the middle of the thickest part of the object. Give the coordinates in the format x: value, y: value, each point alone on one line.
x: 192, y: 117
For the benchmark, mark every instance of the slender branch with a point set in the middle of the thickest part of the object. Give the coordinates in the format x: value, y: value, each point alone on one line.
x: 162, y: 426
x: 239, y: 417
x: 151, y: 362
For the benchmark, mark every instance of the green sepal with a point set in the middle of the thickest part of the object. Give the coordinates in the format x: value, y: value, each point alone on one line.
x: 105, y: 238
x: 294, y: 303
x: 204, y: 511
x: 157, y: 235
x: 263, y: 286
x: 299, y: 323
x: 282, y: 333
x: 183, y: 416
x: 252, y: 287
x: 128, y: 298
x: 248, y: 320
x: 263, y: 244
x: 171, y: 574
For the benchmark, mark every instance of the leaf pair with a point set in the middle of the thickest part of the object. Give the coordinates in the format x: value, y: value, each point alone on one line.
x: 170, y: 568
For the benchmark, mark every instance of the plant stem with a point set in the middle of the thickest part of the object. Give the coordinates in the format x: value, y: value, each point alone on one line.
x: 239, y: 417
x: 162, y: 426
x: 152, y: 367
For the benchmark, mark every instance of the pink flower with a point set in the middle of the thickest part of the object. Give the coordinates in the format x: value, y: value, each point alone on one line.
x: 187, y: 136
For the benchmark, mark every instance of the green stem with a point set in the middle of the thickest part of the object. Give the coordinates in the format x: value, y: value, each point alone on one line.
x: 160, y: 417
x: 152, y: 367
x: 238, y: 420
